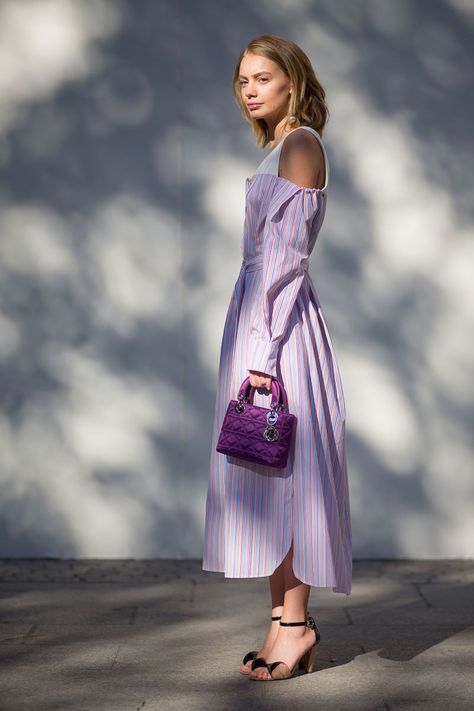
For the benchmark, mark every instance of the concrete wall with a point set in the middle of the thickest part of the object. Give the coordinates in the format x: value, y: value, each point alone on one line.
x: 123, y: 160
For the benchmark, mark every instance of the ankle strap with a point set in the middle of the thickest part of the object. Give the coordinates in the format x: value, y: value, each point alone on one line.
x: 292, y: 624
x: 276, y: 618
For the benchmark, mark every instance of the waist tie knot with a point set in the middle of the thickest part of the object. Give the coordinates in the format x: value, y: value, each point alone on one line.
x: 255, y: 262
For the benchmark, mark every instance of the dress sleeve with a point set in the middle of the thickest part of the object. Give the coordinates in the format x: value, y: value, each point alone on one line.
x: 285, y: 240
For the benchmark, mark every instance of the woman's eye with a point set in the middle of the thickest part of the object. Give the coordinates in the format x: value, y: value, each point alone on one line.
x: 262, y: 79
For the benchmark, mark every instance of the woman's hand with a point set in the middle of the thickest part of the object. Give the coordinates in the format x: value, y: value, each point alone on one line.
x: 260, y: 380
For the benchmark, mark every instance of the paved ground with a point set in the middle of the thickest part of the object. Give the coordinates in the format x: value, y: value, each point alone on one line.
x: 145, y: 635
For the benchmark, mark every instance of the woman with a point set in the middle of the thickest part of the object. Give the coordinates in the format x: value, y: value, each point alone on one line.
x: 291, y: 524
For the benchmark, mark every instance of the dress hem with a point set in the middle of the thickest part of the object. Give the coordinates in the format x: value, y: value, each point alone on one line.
x: 266, y: 575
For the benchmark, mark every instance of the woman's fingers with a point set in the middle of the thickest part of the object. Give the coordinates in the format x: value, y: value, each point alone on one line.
x: 260, y: 380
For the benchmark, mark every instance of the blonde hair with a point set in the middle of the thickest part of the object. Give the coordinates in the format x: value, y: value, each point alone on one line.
x: 306, y: 105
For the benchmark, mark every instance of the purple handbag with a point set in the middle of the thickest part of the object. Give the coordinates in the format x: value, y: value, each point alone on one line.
x: 258, y: 434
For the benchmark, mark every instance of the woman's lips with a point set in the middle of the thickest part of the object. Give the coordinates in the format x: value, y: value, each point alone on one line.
x: 253, y: 106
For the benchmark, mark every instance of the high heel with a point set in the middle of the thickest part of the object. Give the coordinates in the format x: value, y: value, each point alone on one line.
x: 305, y: 662
x: 253, y: 655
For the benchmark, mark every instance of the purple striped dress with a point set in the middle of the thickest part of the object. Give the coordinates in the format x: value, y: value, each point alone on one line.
x: 275, y: 325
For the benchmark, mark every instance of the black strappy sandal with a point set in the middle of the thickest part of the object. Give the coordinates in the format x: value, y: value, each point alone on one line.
x: 253, y: 655
x: 305, y: 662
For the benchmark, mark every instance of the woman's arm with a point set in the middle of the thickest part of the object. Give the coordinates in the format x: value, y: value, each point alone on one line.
x: 302, y: 160
x: 286, y: 233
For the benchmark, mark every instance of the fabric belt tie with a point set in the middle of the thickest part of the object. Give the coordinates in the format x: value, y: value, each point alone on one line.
x: 253, y: 264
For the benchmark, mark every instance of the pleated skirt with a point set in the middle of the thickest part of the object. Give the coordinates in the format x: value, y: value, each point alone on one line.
x: 255, y: 512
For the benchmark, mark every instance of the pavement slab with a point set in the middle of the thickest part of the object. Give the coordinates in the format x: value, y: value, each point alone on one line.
x: 164, y: 635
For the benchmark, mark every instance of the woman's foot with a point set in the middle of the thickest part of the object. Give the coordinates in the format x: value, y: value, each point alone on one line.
x: 289, y: 646
x: 267, y: 645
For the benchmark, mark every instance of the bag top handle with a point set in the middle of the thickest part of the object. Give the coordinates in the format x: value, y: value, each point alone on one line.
x: 278, y: 392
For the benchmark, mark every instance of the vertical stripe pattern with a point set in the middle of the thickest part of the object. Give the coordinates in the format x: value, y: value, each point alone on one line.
x: 275, y: 324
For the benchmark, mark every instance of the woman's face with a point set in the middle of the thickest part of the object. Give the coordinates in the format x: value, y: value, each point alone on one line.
x: 264, y: 87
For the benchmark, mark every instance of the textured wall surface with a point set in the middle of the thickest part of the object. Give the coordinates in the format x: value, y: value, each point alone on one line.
x: 123, y: 158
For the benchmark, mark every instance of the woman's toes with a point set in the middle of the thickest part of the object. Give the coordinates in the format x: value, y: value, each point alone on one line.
x: 260, y: 673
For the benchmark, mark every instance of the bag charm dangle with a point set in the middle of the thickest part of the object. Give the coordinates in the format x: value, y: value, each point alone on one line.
x: 258, y: 434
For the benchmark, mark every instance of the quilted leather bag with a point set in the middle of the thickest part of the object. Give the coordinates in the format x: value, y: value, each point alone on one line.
x: 258, y: 434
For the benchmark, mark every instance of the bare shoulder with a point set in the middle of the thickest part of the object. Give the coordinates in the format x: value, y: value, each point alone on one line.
x: 302, y: 159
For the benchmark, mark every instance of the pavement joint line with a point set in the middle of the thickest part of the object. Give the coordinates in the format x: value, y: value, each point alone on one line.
x: 193, y: 589
x: 115, y: 656
x: 29, y: 633
x: 417, y: 588
x: 348, y: 615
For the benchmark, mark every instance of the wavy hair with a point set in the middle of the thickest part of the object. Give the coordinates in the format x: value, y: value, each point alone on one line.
x: 306, y: 105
